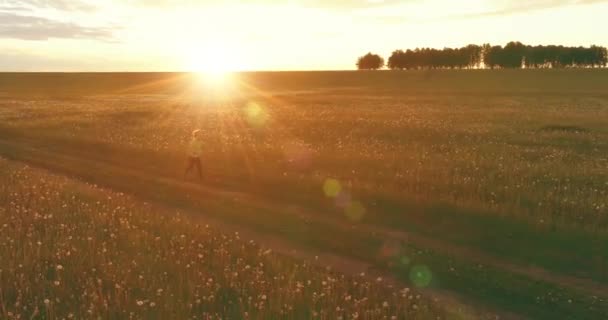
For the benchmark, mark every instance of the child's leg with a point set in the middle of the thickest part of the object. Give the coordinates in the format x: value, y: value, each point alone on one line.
x: 199, y: 168
x: 189, y: 166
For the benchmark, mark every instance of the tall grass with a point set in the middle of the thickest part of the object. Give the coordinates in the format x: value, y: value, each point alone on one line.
x: 490, y: 153
x: 74, y: 251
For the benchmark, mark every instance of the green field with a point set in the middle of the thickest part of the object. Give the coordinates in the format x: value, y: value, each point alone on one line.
x: 486, y: 187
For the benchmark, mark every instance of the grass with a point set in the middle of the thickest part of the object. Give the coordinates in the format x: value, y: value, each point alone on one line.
x: 508, y: 164
x: 71, y: 250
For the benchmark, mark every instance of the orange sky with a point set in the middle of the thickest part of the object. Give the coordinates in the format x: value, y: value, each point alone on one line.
x: 184, y: 35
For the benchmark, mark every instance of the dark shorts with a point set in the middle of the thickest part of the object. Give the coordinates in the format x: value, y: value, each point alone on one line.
x: 194, y: 161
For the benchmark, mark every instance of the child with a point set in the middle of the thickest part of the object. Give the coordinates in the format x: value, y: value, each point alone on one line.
x: 195, y: 150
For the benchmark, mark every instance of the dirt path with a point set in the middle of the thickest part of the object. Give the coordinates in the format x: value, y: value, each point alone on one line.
x: 348, y: 265
x: 457, y: 307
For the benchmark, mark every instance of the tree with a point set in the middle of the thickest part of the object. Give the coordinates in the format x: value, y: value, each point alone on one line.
x: 370, y: 61
x: 513, y: 55
x: 397, y: 60
x: 492, y: 56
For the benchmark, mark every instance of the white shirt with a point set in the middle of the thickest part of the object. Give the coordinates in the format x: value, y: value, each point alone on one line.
x: 195, y: 149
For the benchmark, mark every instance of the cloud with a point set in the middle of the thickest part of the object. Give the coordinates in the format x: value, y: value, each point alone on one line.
x: 323, y: 4
x: 417, y: 11
x: 519, y: 7
x: 16, y: 26
x: 28, y: 5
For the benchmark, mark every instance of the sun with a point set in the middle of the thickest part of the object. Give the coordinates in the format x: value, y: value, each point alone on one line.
x: 212, y: 58
x: 209, y: 60
x: 212, y: 63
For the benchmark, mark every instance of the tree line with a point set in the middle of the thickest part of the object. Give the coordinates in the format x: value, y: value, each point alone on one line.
x: 512, y: 55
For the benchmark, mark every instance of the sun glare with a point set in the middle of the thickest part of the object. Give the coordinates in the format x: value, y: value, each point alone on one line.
x: 213, y: 63
x: 212, y: 58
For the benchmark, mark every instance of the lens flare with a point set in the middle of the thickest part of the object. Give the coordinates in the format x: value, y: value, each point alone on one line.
x: 255, y: 115
x: 355, y: 211
x: 421, y: 276
x: 343, y: 199
x: 331, y: 188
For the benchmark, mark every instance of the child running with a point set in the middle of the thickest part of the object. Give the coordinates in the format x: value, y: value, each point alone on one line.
x: 195, y: 150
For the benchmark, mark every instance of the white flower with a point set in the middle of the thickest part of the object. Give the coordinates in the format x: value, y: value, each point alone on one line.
x: 59, y: 267
x: 140, y: 303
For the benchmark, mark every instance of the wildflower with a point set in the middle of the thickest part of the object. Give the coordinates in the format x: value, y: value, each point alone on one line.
x: 47, y: 301
x: 152, y: 304
x: 385, y: 304
x: 59, y: 267
x: 140, y: 303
